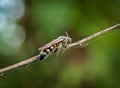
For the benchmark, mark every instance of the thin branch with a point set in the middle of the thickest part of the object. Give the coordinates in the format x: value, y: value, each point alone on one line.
x: 78, y: 43
x: 19, y: 64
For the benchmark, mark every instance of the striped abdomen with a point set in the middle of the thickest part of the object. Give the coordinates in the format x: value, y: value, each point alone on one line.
x: 45, y: 52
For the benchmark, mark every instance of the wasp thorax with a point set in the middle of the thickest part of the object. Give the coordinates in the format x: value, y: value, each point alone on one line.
x: 66, y: 39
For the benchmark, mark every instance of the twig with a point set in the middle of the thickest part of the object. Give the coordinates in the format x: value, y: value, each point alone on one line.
x: 19, y: 64
x: 78, y: 43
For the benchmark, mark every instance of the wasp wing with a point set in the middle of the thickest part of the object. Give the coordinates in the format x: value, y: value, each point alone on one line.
x: 50, y: 43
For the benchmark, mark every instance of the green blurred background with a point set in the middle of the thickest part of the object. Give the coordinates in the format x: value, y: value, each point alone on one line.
x: 25, y: 25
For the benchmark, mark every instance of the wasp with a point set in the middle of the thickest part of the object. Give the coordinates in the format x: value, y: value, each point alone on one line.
x: 59, y: 44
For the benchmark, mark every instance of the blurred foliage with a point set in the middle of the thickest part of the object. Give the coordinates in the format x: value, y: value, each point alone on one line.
x: 25, y: 25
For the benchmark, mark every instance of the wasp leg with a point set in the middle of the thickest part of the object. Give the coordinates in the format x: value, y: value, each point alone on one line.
x: 64, y: 47
x: 59, y: 50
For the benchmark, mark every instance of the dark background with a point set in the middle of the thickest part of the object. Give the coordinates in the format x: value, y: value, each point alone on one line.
x: 25, y: 25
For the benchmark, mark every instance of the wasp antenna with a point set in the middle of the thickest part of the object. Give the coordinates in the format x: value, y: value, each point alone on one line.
x: 66, y: 34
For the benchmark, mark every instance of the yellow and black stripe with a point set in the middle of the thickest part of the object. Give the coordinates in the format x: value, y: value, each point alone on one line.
x: 47, y: 51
